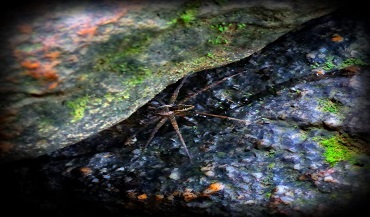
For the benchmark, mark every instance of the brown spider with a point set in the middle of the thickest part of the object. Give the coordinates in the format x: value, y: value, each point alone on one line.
x: 169, y: 111
x: 164, y: 112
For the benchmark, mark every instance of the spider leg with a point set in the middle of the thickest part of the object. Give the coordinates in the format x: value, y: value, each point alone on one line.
x: 155, y: 130
x: 176, y: 93
x: 222, y: 116
x: 176, y: 127
x: 206, y: 88
x: 142, y: 128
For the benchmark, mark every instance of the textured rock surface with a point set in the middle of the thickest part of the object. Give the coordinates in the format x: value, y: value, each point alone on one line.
x: 303, y: 152
x: 74, y: 69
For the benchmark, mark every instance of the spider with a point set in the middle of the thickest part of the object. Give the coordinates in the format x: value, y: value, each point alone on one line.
x: 164, y: 112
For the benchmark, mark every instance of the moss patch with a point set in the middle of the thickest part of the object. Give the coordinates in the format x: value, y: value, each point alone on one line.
x: 224, y: 32
x: 333, y: 62
x: 78, y: 107
x: 328, y: 105
x: 352, y: 61
x: 339, y: 148
x: 188, y: 15
x: 125, y: 58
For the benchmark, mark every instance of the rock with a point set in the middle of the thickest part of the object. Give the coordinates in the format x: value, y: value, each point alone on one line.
x: 308, y: 169
x: 75, y: 69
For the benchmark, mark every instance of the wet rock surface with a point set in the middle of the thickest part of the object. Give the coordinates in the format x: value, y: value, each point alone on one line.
x: 75, y: 68
x: 299, y: 146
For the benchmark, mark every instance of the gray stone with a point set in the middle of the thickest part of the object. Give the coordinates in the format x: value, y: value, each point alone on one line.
x: 333, y: 173
x: 75, y: 69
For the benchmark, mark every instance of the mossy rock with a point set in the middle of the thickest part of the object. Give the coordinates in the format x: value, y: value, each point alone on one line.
x: 71, y: 73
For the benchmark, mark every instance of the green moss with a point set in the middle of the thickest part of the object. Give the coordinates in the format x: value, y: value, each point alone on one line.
x: 352, y: 61
x: 330, y: 65
x: 327, y: 105
x: 315, y: 65
x: 210, y: 55
x: 224, y: 32
x: 218, y: 40
x: 96, y: 101
x: 123, y: 95
x: 125, y: 58
x: 172, y: 22
x: 221, y: 27
x: 337, y: 148
x: 200, y: 63
x: 303, y: 136
x: 125, y: 61
x: 78, y: 107
x: 271, y: 153
x: 188, y: 16
x: 268, y: 195
x: 271, y: 166
x: 241, y: 25
x: 109, y: 97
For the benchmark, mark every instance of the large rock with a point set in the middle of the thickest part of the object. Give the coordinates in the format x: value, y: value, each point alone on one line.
x: 72, y: 70
x: 296, y: 142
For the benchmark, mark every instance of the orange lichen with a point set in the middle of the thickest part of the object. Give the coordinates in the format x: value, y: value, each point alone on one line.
x: 189, y: 195
x: 40, y: 70
x: 50, y: 75
x: 217, y: 186
x: 52, y: 64
x: 86, y: 171
x: 43, y: 74
x: 142, y: 197
x: 110, y: 20
x: 116, y: 15
x: 159, y: 197
x: 53, y: 85
x: 28, y: 64
x: 53, y: 55
x: 174, y: 194
x: 214, y: 187
x: 88, y: 31
x: 319, y: 71
x: 336, y: 38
